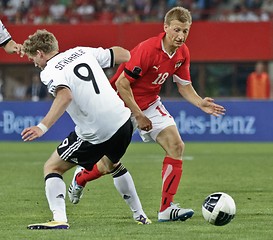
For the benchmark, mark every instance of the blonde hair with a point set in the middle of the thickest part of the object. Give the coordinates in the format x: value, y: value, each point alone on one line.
x: 178, y: 13
x: 41, y: 40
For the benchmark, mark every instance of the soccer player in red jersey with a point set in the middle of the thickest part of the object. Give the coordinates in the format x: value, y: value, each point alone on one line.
x: 138, y: 83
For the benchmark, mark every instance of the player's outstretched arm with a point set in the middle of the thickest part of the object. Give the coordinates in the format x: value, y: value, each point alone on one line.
x: 207, y: 104
x: 59, y: 105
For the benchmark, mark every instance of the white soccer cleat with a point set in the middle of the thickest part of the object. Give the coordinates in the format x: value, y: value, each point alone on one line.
x: 174, y: 213
x: 75, y: 191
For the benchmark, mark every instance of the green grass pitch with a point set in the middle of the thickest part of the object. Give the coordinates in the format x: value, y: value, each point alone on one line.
x: 243, y: 170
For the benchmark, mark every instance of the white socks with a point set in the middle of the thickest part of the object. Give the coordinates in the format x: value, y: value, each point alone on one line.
x: 55, y: 192
x: 126, y: 187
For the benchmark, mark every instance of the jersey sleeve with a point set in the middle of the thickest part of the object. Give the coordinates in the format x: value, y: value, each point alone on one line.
x: 138, y: 64
x: 105, y: 57
x: 182, y: 74
x: 5, y: 37
x: 53, y: 81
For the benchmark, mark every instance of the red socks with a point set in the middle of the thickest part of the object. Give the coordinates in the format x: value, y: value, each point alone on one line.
x: 86, y: 176
x: 171, y: 175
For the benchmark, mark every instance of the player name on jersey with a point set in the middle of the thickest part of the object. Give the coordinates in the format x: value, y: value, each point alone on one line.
x: 65, y: 61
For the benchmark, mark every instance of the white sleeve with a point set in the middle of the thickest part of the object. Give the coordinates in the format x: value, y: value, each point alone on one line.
x: 53, y: 80
x: 4, y: 34
x: 105, y: 57
x: 180, y: 81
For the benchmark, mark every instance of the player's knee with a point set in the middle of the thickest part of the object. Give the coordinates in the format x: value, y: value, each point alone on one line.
x: 178, y: 149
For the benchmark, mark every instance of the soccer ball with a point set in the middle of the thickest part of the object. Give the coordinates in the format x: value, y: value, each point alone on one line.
x: 219, y: 208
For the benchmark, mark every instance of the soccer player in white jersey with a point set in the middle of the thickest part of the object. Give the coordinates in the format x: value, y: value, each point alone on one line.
x: 103, y: 127
x: 9, y: 45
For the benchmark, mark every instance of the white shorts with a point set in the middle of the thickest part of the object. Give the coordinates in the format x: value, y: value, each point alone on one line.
x: 160, y: 119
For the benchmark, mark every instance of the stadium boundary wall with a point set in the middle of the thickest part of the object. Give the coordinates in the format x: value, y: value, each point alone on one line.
x: 208, y: 41
x: 245, y: 121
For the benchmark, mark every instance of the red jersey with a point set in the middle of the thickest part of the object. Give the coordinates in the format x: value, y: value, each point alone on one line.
x: 150, y: 66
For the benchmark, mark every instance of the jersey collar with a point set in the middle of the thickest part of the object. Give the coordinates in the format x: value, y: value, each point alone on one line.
x: 52, y: 56
x: 160, y: 44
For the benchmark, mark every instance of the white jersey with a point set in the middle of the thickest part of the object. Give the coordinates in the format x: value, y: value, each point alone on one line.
x: 96, y: 109
x: 4, y: 34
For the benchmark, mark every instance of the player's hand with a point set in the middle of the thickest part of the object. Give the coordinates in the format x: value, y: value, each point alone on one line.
x: 19, y: 50
x: 144, y: 123
x: 13, y: 47
x: 208, y: 106
x: 31, y: 133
